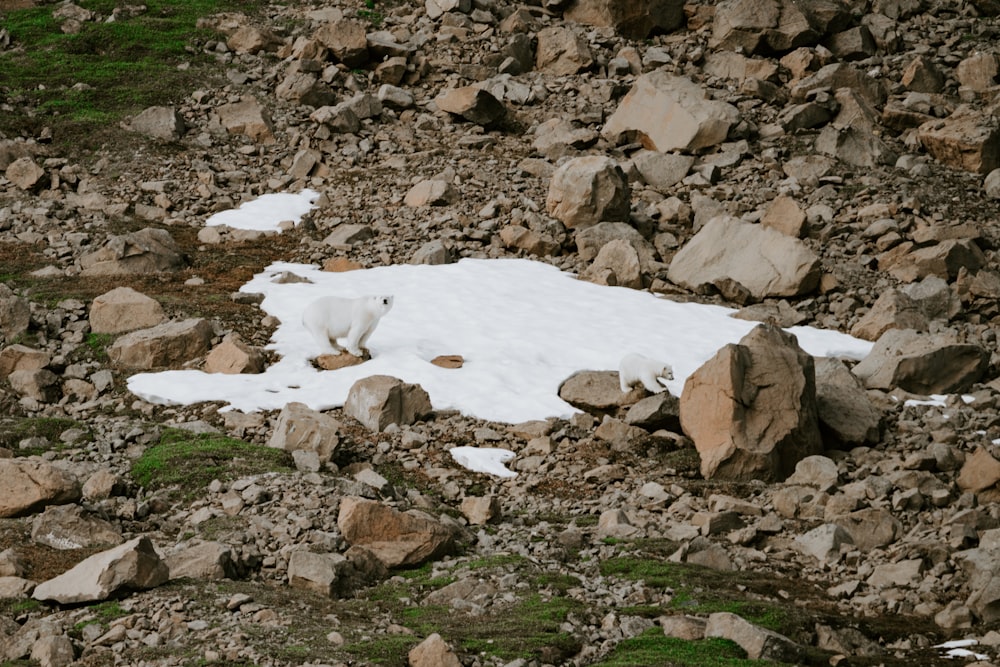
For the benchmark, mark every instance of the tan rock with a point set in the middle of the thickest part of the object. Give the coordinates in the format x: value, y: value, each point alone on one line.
x: 332, y: 362
x: 480, y: 510
x: 785, y: 216
x: 587, y: 190
x: 27, y: 485
x: 617, y: 264
x: 978, y: 71
x: 148, y: 250
x: 166, y: 345
x: 980, y: 472
x: 301, y: 428
x: 448, y: 361
x: 634, y: 19
x: 341, y: 264
x: 967, y: 139
x: 134, y: 565
x: 24, y: 173
x: 21, y: 358
x: 921, y: 75
x: 922, y: 363
x: 233, y: 356
x: 751, y: 409
x: 398, y: 539
x: 433, y: 652
x: 562, y: 52
x: 346, y: 39
x: 472, y: 103
x: 249, y: 118
x: 431, y: 192
x: 666, y: 112
x: 533, y: 243
x: 124, y: 309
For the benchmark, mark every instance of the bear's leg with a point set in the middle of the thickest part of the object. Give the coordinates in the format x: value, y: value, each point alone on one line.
x: 353, y: 342
x: 651, y: 384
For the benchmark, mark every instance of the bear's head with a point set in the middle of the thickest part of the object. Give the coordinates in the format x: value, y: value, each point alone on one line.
x: 382, y: 304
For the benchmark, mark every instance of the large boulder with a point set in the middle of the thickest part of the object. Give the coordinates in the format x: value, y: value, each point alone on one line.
x: 847, y: 416
x: 967, y: 139
x: 634, y: 19
x: 751, y: 409
x: 922, y: 363
x: 562, y: 52
x: 347, y: 40
x: 132, y: 566
x: 764, y: 261
x: 27, y: 485
x: 163, y: 123
x: 775, y: 26
x: 398, y: 539
x: 380, y: 400
x: 148, y: 250
x: 70, y: 527
x: 234, y: 356
x: 587, y: 190
x: 15, y: 314
x: 472, y: 103
x: 249, y: 118
x: 301, y: 428
x: 166, y: 345
x: 666, y: 112
x: 596, y: 392
x: 124, y: 309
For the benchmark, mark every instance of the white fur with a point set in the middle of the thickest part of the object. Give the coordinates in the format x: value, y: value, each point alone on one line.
x: 333, y: 317
x: 636, y: 369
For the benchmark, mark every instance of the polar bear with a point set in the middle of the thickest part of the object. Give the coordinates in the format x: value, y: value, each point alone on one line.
x: 636, y: 369
x: 333, y: 317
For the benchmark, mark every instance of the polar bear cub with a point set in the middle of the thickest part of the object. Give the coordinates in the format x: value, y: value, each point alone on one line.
x: 636, y: 369
x: 333, y: 317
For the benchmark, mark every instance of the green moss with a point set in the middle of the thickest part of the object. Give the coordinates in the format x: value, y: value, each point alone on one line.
x: 78, y: 84
x: 653, y: 648
x: 190, y: 462
x: 13, y: 431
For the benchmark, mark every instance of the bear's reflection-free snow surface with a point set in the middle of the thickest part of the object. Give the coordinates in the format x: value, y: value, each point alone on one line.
x: 522, y: 326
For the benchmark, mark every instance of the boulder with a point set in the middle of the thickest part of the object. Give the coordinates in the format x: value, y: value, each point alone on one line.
x: 233, y: 356
x: 847, y: 416
x: 978, y: 72
x: 634, y: 19
x: 980, y: 474
x: 775, y: 26
x: 124, y: 309
x: 301, y: 428
x: 472, y: 103
x: 856, y: 146
x: 590, y: 241
x: 433, y: 652
x: 559, y: 136
x: 249, y: 118
x: 587, y: 190
x: 341, y: 118
x: 164, y: 346
x: 15, y: 314
x: 437, y: 8
x: 21, y: 358
x: 40, y: 384
x: 968, y: 139
x: 322, y: 573
x: 148, y: 250
x: 945, y: 260
x: 70, y: 527
x: 764, y: 261
x: 380, y: 400
x: 617, y: 264
x: 431, y: 192
x: 202, y: 560
x: 783, y: 214
x: 597, y: 392
x: 480, y: 510
x: 841, y: 75
x: 893, y: 309
x: 665, y: 112
x: 398, y: 539
x: 662, y: 170
x: 759, y: 643
x: 25, y: 173
x: 561, y: 52
x: 659, y: 411
x: 922, y: 363
x: 306, y: 87
x: 870, y: 528
x: 132, y: 566
x: 163, y: 123
x: 751, y: 409
x: 347, y: 40
x: 26, y: 485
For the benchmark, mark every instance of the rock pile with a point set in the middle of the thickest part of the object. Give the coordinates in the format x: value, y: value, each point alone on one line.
x: 804, y: 162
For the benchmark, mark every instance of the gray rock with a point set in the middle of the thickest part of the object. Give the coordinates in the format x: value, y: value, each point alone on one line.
x: 145, y: 251
x: 167, y: 345
x: 758, y: 642
x: 132, y: 566
x: 922, y: 363
x: 163, y: 123
x: 847, y: 416
x: 587, y: 190
x: 300, y: 428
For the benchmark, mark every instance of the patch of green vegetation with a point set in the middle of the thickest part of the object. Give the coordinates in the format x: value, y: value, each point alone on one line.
x: 104, y: 613
x: 25, y: 606
x: 191, y: 461
x: 558, y: 582
x: 496, y: 561
x: 78, y: 82
x: 98, y: 344
x: 654, y: 648
x: 374, y: 16
x: 696, y: 589
x: 13, y: 431
x: 383, y: 649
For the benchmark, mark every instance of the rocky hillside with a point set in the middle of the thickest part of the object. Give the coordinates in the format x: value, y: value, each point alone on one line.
x: 812, y: 162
